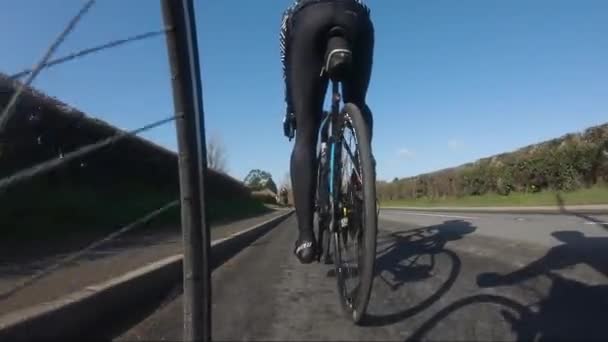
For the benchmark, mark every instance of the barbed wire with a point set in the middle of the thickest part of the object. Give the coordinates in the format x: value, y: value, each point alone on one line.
x: 46, y: 166
x: 56, y: 162
x: 88, y: 51
x: 85, y: 52
x: 8, y: 110
x: 140, y: 221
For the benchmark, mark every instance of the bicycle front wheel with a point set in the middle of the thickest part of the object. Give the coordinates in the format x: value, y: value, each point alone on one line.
x: 354, y: 241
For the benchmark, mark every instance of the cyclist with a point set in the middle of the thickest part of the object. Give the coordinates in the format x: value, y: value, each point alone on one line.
x: 305, y: 25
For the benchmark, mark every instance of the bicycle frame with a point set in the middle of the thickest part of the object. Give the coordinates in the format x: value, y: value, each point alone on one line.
x: 333, y: 123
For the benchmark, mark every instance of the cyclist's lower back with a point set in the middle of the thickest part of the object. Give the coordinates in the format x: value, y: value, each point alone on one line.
x: 305, y: 26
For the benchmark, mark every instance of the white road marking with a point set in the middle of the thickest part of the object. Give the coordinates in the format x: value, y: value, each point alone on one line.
x: 598, y: 223
x: 440, y: 215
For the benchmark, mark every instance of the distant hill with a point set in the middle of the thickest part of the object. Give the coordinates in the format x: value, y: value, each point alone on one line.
x: 566, y: 163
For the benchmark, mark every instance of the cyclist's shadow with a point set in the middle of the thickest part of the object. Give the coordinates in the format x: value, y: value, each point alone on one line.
x: 576, y: 249
x: 400, y: 254
x: 571, y: 309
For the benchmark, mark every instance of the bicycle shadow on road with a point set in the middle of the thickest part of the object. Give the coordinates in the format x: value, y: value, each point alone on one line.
x: 570, y: 309
x: 402, y: 259
x: 576, y: 249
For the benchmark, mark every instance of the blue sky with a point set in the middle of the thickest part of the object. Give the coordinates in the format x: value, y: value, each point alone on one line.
x: 452, y: 81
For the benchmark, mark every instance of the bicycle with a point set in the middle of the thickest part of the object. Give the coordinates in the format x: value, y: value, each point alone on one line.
x: 346, y: 205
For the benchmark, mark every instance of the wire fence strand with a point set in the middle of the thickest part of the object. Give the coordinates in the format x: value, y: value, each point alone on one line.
x: 94, y: 49
x: 85, y: 52
x: 56, y: 162
x: 140, y: 221
x: 8, y: 110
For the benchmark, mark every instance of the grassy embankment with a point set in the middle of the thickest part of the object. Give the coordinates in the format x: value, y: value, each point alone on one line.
x: 595, y: 195
x: 48, y: 212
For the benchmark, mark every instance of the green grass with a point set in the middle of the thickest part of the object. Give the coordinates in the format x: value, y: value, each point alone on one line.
x: 218, y: 211
x: 594, y: 195
x: 43, y: 211
x: 222, y: 211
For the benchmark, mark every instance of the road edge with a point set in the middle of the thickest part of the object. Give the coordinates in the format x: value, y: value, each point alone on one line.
x: 574, y: 209
x: 73, y: 314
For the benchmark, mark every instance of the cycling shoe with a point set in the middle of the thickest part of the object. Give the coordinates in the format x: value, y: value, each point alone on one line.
x: 305, y: 251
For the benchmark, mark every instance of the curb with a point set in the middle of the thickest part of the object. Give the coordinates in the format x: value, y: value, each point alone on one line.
x: 586, y: 209
x: 77, y: 314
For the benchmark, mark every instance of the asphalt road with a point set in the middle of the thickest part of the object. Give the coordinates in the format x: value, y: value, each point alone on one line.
x: 439, y: 277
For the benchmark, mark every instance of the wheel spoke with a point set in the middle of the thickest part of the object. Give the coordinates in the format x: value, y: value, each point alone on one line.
x: 354, y: 159
x: 355, y: 231
x: 350, y: 236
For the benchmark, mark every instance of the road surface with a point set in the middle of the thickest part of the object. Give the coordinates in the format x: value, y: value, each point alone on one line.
x: 440, y: 277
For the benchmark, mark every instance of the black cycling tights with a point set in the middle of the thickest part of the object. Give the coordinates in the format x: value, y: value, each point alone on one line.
x: 306, y: 89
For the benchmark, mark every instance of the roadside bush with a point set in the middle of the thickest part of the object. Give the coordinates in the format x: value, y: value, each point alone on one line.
x: 264, y: 196
x: 563, y: 164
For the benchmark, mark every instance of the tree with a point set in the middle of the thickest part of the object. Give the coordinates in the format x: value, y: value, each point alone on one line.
x: 286, y: 181
x: 285, y: 189
x: 258, y: 179
x: 270, y: 184
x: 216, y: 154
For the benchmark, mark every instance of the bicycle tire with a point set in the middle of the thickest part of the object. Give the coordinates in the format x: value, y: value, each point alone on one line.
x: 356, y: 308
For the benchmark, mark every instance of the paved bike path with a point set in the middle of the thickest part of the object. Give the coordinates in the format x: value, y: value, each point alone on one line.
x: 427, y: 288
x: 109, y: 260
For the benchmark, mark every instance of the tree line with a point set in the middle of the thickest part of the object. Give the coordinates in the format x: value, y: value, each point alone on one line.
x: 567, y: 163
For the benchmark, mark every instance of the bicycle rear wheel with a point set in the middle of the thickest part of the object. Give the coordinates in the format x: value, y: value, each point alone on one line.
x: 354, y: 241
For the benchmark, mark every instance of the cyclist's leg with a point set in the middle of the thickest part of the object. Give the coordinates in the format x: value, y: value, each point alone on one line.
x: 306, y: 90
